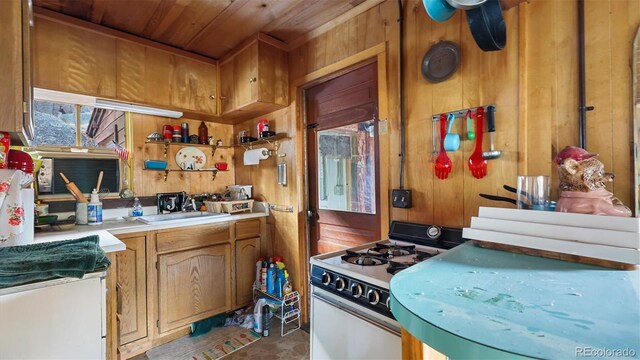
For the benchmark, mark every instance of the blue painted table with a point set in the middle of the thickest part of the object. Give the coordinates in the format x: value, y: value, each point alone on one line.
x: 476, y: 303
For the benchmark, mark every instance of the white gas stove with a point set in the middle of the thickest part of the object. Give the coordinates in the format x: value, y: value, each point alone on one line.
x: 350, y: 291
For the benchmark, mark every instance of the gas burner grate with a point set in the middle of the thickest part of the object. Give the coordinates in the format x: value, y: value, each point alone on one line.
x: 363, y: 259
x: 396, y: 267
x: 391, y: 250
x: 421, y: 255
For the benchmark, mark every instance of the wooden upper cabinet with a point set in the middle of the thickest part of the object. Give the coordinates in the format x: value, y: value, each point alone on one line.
x: 15, y: 92
x: 155, y: 77
x: 131, y: 290
x: 193, y: 285
x: 226, y: 87
x: 75, y: 61
x: 260, y: 82
x: 193, y: 85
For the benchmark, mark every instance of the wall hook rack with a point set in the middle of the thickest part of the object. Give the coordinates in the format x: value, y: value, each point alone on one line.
x: 435, y: 118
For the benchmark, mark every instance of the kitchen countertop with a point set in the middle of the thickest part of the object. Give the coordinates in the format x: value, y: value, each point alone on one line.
x: 109, y: 228
x: 472, y: 302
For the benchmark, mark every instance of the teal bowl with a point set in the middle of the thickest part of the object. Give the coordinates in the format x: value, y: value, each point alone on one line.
x: 439, y: 10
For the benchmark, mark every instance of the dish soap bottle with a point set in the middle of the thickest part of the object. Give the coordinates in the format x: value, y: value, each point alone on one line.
x: 94, y: 209
x: 136, y: 210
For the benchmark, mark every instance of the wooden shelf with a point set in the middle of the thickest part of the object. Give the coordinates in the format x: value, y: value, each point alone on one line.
x: 213, y: 172
x: 168, y: 144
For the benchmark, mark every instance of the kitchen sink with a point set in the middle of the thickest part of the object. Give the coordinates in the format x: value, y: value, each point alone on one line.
x: 178, y: 216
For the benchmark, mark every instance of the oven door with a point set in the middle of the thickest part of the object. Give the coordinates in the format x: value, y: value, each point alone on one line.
x: 344, y: 331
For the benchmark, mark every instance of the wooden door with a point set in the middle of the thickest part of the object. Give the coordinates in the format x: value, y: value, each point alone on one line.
x: 131, y: 290
x: 343, y: 153
x: 193, y: 285
x: 247, y: 254
x: 245, y: 76
x: 226, y: 87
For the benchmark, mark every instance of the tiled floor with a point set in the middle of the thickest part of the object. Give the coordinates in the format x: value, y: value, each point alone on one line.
x: 294, y: 346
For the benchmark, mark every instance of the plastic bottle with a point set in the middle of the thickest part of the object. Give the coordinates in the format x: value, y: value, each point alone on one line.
x: 271, y: 276
x: 258, y: 273
x: 94, y: 209
x: 263, y: 276
x: 280, y: 280
x: 257, y: 315
x: 265, y: 320
x: 136, y: 210
x: 286, y: 288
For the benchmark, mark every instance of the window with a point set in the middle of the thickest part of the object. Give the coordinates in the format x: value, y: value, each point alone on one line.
x: 64, y: 124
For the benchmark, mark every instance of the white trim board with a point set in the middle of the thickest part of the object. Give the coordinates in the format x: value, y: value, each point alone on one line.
x: 560, y: 218
x: 624, y: 239
x: 623, y: 255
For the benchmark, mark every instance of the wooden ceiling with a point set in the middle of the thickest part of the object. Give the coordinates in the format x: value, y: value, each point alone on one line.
x: 207, y: 27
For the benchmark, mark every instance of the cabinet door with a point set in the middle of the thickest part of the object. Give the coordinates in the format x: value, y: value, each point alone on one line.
x: 193, y: 85
x: 70, y: 60
x: 226, y: 87
x: 245, y: 69
x: 193, y: 285
x: 131, y: 290
x: 247, y: 254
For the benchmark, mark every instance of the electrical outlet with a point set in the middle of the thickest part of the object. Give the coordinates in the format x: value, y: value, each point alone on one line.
x: 401, y: 198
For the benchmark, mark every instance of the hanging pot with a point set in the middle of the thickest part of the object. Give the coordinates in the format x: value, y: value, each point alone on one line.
x: 487, y: 26
x: 438, y: 10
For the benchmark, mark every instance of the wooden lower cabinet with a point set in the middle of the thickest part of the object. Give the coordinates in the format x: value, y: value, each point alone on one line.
x: 131, y: 290
x: 247, y: 254
x: 193, y: 285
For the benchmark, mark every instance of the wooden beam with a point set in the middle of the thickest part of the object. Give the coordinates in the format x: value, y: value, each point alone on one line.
x: 411, y: 347
x: 89, y: 26
x: 228, y: 11
x: 363, y: 7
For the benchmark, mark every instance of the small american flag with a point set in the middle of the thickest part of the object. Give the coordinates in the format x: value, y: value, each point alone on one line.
x: 123, y: 153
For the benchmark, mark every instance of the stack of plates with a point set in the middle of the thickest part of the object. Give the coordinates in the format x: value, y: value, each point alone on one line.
x: 610, y: 238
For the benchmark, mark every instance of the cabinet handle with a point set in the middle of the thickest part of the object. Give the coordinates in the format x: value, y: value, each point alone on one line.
x: 212, y: 97
x: 252, y: 80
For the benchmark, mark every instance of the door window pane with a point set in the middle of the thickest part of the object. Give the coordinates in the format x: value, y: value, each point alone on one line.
x: 346, y: 168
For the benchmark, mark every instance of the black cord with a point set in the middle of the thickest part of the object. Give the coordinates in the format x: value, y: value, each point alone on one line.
x: 401, y: 92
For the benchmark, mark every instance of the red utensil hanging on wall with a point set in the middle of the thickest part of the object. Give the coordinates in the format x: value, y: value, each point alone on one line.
x: 443, y: 165
x: 477, y: 164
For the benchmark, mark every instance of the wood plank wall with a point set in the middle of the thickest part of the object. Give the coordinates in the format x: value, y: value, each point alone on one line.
x: 534, y: 83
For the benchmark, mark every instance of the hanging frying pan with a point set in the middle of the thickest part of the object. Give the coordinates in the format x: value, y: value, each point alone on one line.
x: 487, y: 26
x: 440, y: 62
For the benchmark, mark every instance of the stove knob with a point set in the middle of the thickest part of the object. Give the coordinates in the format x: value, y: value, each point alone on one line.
x: 388, y: 303
x: 373, y: 296
x: 356, y: 290
x: 326, y: 278
x: 340, y: 284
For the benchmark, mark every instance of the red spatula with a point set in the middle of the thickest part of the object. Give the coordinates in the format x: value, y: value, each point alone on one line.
x: 477, y: 164
x: 443, y: 164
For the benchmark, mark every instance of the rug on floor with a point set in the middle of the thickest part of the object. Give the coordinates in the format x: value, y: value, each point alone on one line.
x: 214, y: 345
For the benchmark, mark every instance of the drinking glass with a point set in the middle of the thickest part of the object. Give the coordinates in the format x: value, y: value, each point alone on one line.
x: 533, y: 192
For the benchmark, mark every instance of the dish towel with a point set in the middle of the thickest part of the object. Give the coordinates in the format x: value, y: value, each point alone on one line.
x: 51, y: 260
x: 12, y: 209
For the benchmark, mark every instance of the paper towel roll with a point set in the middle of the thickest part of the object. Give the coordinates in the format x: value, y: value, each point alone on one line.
x: 253, y: 157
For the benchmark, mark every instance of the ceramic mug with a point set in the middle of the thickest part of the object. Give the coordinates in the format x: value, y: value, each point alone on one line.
x: 222, y: 166
x: 187, y: 165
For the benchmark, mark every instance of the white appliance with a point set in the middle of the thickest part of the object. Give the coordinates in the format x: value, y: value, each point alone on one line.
x: 350, y: 314
x: 57, y: 319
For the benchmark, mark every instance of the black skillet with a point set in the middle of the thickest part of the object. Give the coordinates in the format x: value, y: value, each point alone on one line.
x: 487, y: 26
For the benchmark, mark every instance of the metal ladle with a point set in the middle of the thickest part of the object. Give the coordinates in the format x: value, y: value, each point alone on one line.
x: 491, y: 128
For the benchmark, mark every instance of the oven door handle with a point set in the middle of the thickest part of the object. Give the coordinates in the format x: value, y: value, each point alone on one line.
x: 359, y: 316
